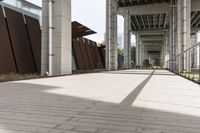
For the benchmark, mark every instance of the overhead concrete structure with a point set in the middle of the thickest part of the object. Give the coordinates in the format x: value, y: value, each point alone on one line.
x: 56, y: 37
x: 160, y: 26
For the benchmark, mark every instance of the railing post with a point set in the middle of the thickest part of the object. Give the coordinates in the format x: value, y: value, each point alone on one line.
x: 189, y: 63
x: 199, y: 61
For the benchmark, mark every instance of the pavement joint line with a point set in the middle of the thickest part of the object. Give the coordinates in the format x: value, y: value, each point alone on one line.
x: 134, y: 94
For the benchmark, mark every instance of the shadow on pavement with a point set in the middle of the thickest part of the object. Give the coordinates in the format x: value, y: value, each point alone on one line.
x: 30, y: 108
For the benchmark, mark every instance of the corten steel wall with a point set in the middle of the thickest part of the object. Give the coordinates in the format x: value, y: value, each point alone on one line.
x: 7, y: 61
x: 84, y: 53
x: 99, y: 63
x: 94, y: 55
x: 34, y: 34
x: 102, y: 55
x: 87, y: 54
x: 20, y: 42
x: 78, y: 55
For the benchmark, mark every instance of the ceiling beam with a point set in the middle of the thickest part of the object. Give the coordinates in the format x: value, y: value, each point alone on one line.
x: 193, y: 15
x: 165, y: 21
x: 133, y: 25
x: 159, y: 18
x: 137, y: 22
x: 152, y: 32
x: 156, y: 8
x: 123, y: 1
x: 143, y: 22
x: 147, y: 9
x: 148, y: 21
x: 154, y: 21
x: 195, y: 20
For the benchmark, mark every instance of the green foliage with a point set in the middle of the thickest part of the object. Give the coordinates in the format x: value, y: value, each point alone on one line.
x: 146, y: 63
x: 13, y: 77
x: 120, y: 51
x: 133, y: 55
x: 161, y: 64
x: 102, y: 43
x: 157, y: 62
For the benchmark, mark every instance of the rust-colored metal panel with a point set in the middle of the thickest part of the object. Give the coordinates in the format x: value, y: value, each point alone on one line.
x: 7, y: 61
x: 20, y: 42
x: 74, y: 50
x: 34, y: 35
x: 102, y: 55
x: 98, y: 56
x: 89, y: 53
x: 90, y: 47
x: 84, y: 53
x: 78, y: 55
x: 79, y: 30
x: 95, y: 58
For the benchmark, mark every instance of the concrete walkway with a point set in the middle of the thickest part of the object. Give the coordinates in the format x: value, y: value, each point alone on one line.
x: 131, y: 101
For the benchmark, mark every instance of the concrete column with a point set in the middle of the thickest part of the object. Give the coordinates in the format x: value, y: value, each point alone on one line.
x: 186, y: 31
x: 61, y: 37
x: 107, y: 34
x: 179, y: 36
x: 137, y: 49
x: 166, y: 49
x: 194, y: 51
x: 112, y: 34
x: 163, y: 55
x: 127, y: 40
x: 170, y: 42
x: 129, y: 57
x: 141, y: 53
x: 172, y: 31
x: 164, y: 52
x: 145, y: 53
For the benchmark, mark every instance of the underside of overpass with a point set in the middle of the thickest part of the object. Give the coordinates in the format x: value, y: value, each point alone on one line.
x: 163, y: 30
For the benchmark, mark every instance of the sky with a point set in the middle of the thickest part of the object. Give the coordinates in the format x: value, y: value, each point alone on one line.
x: 91, y: 16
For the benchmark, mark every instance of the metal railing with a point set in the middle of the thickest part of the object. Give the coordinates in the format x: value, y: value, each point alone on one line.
x: 187, y: 63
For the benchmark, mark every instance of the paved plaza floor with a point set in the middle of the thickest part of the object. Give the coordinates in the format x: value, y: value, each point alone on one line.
x: 128, y: 101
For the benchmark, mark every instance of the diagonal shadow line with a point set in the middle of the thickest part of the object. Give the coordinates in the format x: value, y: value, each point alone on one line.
x: 134, y: 94
x: 140, y: 73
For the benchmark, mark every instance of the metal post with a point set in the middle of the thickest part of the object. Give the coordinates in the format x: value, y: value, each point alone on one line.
x: 173, y: 36
x: 189, y: 62
x: 50, y: 36
x: 107, y: 34
x: 193, y: 70
x: 199, y: 63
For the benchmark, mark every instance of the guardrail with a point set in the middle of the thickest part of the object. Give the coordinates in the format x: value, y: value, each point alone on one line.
x: 187, y: 63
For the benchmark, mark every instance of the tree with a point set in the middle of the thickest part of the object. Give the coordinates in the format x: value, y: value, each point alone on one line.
x: 146, y: 63
x: 102, y: 43
x: 133, y: 54
x: 120, y: 51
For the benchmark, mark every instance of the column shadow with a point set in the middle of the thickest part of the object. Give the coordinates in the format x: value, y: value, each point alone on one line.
x: 30, y: 108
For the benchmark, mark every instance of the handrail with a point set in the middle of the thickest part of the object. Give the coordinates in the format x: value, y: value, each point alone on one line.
x: 190, y: 66
x: 198, y: 44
